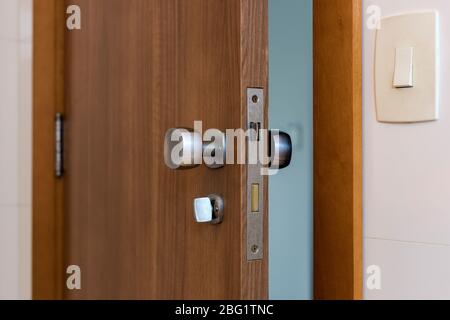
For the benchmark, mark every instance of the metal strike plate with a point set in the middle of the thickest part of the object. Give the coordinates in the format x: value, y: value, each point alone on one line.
x: 255, y: 180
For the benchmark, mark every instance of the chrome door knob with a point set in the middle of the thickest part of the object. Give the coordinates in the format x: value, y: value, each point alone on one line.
x: 182, y: 148
x: 280, y: 149
x: 209, y: 209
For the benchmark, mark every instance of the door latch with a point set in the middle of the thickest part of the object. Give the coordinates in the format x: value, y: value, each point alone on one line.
x: 280, y: 149
x: 255, y: 181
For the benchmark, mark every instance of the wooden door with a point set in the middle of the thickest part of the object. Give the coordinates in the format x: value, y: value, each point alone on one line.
x: 135, y: 69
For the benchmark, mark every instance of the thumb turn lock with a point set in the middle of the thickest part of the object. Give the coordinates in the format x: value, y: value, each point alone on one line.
x: 209, y: 209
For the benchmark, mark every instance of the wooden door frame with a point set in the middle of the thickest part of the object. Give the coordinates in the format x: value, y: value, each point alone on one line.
x: 338, y: 265
x: 337, y: 149
x: 48, y: 99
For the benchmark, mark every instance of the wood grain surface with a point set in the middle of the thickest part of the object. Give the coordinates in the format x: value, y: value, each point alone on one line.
x: 136, y: 69
x: 337, y: 149
x: 48, y: 99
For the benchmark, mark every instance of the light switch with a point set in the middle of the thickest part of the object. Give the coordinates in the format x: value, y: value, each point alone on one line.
x: 407, y: 68
x: 403, y: 74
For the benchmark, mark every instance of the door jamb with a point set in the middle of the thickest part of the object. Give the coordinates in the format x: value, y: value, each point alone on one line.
x: 338, y: 149
x: 48, y: 99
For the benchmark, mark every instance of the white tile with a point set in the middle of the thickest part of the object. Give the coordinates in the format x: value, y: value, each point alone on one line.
x: 406, y: 166
x: 9, y: 111
x: 25, y: 253
x: 25, y: 124
x: 25, y: 19
x: 9, y: 253
x: 9, y: 19
x: 408, y: 271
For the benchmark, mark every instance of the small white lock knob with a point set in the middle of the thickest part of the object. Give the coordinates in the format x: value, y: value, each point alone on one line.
x: 209, y: 209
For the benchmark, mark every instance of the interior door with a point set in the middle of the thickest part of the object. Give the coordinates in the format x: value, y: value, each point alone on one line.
x: 136, y: 69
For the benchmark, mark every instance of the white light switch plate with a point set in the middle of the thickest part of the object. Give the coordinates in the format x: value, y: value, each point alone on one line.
x: 419, y: 103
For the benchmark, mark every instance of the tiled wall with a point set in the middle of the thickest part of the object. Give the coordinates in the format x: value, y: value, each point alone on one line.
x: 407, y: 183
x: 15, y: 148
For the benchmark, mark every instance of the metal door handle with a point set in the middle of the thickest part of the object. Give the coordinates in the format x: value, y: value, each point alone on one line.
x: 184, y: 149
x: 280, y: 149
x: 209, y: 209
x: 181, y: 148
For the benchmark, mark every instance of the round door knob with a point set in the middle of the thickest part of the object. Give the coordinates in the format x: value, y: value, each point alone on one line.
x: 280, y: 149
x: 182, y: 148
x: 209, y: 209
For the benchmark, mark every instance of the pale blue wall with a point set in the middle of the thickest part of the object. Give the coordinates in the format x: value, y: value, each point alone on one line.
x: 290, y: 192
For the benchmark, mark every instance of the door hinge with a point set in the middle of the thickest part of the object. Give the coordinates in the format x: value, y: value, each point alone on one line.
x: 59, y: 145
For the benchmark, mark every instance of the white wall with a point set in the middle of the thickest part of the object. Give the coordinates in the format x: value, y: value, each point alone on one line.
x: 15, y: 148
x: 407, y: 183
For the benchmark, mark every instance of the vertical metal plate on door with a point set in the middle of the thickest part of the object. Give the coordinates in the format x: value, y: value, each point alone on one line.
x: 255, y: 179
